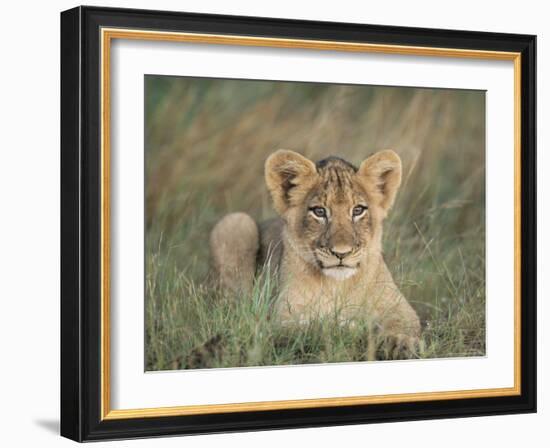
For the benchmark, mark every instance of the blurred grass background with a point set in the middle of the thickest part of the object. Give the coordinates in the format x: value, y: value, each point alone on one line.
x: 205, y: 145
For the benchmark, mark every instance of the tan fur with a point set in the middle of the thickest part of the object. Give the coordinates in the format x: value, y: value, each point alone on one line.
x: 326, y: 245
x: 234, y: 244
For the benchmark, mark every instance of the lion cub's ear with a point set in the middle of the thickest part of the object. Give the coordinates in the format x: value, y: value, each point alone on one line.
x: 383, y: 173
x: 288, y: 176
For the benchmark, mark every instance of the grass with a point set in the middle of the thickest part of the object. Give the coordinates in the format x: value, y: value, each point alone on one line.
x: 206, y: 142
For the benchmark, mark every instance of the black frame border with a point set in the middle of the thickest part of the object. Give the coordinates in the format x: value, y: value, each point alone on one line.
x: 81, y: 223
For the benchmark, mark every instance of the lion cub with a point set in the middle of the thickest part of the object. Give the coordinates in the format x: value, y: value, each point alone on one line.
x: 326, y: 244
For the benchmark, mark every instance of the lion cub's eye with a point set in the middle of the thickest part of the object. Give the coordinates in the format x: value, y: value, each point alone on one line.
x: 358, y: 210
x: 320, y: 212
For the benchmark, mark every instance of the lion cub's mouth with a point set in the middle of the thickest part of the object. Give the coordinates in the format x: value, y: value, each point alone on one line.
x: 339, y: 272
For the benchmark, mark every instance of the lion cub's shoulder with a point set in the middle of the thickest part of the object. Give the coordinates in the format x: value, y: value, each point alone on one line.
x: 271, y: 243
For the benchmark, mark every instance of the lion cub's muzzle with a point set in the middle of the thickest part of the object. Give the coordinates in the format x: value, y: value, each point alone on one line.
x: 339, y: 262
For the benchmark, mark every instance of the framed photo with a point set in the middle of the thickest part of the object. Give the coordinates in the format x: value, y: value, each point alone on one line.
x: 275, y: 224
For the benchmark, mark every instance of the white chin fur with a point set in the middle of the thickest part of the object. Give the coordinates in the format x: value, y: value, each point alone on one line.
x: 342, y: 273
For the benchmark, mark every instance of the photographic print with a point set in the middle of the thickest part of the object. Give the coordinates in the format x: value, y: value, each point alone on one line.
x: 305, y: 205
x: 292, y: 223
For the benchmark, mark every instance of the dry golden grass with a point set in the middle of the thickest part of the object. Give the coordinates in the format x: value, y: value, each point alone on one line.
x: 206, y: 144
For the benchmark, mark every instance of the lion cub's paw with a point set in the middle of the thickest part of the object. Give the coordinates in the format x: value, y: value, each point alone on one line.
x: 402, y: 346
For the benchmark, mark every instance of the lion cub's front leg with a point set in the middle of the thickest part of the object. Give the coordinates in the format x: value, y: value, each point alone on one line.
x: 400, y: 330
x: 234, y: 244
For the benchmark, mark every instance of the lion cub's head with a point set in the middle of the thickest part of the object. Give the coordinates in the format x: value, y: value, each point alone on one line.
x: 333, y: 212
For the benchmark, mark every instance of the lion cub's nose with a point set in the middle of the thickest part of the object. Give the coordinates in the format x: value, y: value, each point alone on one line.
x: 341, y: 251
